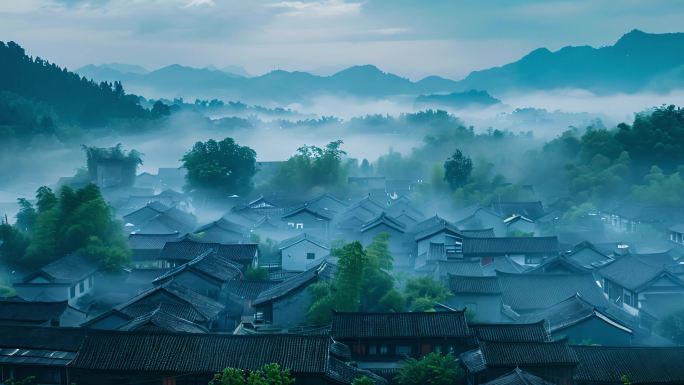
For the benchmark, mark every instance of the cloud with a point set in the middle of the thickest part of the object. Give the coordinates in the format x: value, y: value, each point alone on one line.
x: 199, y: 3
x: 317, y: 8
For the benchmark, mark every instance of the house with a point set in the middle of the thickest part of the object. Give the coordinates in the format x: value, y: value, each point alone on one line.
x: 190, y: 247
x: 287, y: 303
x: 632, y: 218
x: 65, y: 279
x: 161, y: 320
x: 398, y: 188
x: 635, y: 285
x: 553, y: 361
x: 443, y: 234
x: 383, y: 340
x: 403, y: 210
x: 147, y: 180
x: 529, y: 251
x: 532, y: 210
x: 223, y: 231
x: 676, y: 233
x: 527, y: 293
x: 146, y: 248
x: 519, y: 225
x: 327, y: 203
x: 482, y: 296
x: 383, y: 223
x: 207, y: 274
x: 117, y: 357
x: 581, y: 322
x: 301, y: 252
x: 348, y: 223
x: 157, y: 218
x: 511, y: 332
x: 518, y: 377
x: 38, y: 351
x: 634, y: 365
x: 477, y: 217
x: 309, y: 219
x: 441, y: 269
x: 173, y: 299
x: 39, y: 313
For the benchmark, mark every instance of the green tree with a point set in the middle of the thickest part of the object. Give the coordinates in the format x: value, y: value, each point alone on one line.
x: 352, y: 258
x: 269, y: 374
x: 363, y: 380
x: 432, y: 369
x: 423, y: 293
x: 13, y: 244
x: 312, y: 168
x: 256, y: 273
x: 660, y: 188
x: 672, y: 327
x: 127, y: 160
x: 220, y: 168
x: 26, y: 217
x: 457, y: 169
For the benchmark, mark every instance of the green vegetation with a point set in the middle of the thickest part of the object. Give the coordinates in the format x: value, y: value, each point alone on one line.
x: 127, y: 161
x: 362, y: 282
x: 432, y: 369
x: 423, y: 293
x: 58, y: 224
x: 220, y: 168
x: 457, y: 169
x: 313, y: 168
x: 672, y: 327
x: 256, y: 274
x: 363, y: 380
x: 269, y: 374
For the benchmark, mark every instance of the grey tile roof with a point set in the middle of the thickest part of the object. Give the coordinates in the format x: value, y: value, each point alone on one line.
x: 42, y: 337
x: 302, y: 237
x: 632, y: 273
x: 529, y: 292
x: 150, y: 241
x: 160, y: 320
x: 209, y: 265
x: 511, y: 332
x: 460, y: 284
x: 384, y: 219
x: 399, y: 325
x: 31, y: 311
x: 642, y: 365
x: 518, y: 377
x: 189, y: 247
x: 515, y: 354
x: 532, y: 210
x: 322, y: 214
x: 68, y: 269
x: 511, y: 245
x: 201, y: 353
x: 248, y: 289
x: 224, y: 225
x: 325, y: 270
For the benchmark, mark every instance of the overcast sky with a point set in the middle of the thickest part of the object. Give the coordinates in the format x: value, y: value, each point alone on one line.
x: 411, y: 38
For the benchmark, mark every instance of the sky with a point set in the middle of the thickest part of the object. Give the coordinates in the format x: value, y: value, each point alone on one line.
x: 413, y: 38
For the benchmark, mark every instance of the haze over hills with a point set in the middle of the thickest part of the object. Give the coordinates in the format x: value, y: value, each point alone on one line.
x: 638, y: 61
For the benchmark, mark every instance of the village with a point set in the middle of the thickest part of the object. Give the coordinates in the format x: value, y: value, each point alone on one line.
x: 232, y: 284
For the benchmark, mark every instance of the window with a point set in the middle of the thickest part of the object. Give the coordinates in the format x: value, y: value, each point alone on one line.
x: 300, y: 226
x: 630, y: 298
x: 372, y: 350
x: 310, y: 255
x: 72, y: 292
x: 290, y: 224
x: 90, y: 282
x: 438, y: 348
x: 81, y: 286
x: 383, y: 349
x: 403, y: 350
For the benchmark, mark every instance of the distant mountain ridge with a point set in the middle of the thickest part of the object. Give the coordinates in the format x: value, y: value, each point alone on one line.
x: 468, y: 99
x: 638, y: 61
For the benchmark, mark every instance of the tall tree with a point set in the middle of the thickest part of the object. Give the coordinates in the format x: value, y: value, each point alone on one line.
x: 457, y: 169
x: 220, y: 168
x: 432, y: 369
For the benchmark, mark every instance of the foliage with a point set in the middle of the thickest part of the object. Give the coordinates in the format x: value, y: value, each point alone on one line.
x: 75, y: 221
x: 30, y: 380
x: 362, y: 282
x: 363, y: 380
x: 432, y: 369
x: 660, y: 188
x: 457, y: 169
x: 312, y: 168
x: 269, y: 374
x: 222, y: 168
x: 672, y: 327
x: 256, y: 274
x: 14, y: 244
x: 424, y: 292
x: 128, y: 161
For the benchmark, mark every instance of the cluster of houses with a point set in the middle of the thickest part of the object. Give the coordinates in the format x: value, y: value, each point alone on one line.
x: 200, y: 295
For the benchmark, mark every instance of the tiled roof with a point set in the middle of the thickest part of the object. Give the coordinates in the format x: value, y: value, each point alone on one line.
x: 511, y: 245
x: 189, y: 248
x: 642, y: 365
x: 31, y: 311
x: 515, y: 354
x: 224, y: 225
x: 248, y: 289
x: 42, y: 337
x: 150, y: 241
x: 384, y: 219
x: 208, y: 264
x: 511, y: 332
x: 528, y: 292
x: 410, y: 325
x: 312, y: 210
x: 570, y: 312
x: 474, y: 285
x: 443, y: 268
x: 532, y: 210
x: 439, y: 227
x: 303, y: 237
x: 69, y: 269
x: 202, y: 353
x: 324, y: 270
x: 518, y: 377
x: 632, y: 273
x: 504, y: 264
x: 345, y: 373
x: 478, y: 233
x: 160, y: 320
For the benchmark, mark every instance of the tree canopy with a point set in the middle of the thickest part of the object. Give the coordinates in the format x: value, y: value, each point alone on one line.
x: 220, y: 168
x: 313, y: 167
x: 127, y: 160
x: 457, y: 169
x: 269, y: 374
x: 432, y: 369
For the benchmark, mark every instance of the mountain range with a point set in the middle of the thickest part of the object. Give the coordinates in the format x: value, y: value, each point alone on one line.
x: 638, y: 61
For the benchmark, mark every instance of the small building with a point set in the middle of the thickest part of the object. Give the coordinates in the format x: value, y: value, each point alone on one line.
x: 532, y: 209
x: 383, y: 223
x: 146, y: 248
x: 477, y: 217
x: 65, y: 279
x: 223, y: 231
x: 553, y: 361
x: 530, y: 251
x: 190, y: 247
x: 39, y: 313
x: 676, y: 234
x: 581, y: 322
x: 157, y: 218
x: 518, y: 377
x: 309, y: 219
x: 383, y: 340
x: 286, y: 304
x: 634, y: 365
x: 302, y: 252
x: 481, y: 296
